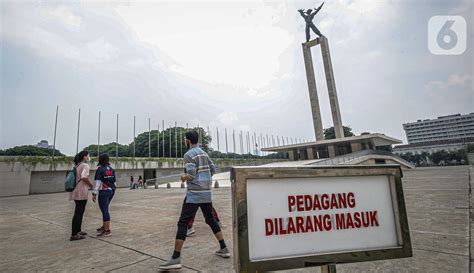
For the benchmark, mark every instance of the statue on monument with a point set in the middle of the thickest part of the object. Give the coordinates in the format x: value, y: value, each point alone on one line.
x: 308, y: 18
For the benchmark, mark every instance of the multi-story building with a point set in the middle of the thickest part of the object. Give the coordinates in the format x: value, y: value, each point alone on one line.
x: 449, y: 133
x: 44, y: 144
x: 456, y: 128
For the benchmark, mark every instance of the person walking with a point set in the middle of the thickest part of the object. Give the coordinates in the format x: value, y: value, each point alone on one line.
x: 199, y: 170
x: 140, y: 181
x: 105, y: 188
x: 131, y: 182
x: 80, y: 194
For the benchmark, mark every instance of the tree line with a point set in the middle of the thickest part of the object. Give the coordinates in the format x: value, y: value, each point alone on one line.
x: 29, y: 150
x: 167, y: 143
x: 441, y: 157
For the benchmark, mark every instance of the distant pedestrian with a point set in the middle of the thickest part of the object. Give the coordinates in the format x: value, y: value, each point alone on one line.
x: 80, y: 194
x: 131, y: 182
x: 199, y: 171
x: 140, y: 181
x: 105, y: 188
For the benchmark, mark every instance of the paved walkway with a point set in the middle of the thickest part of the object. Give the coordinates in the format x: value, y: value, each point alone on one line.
x: 34, y: 230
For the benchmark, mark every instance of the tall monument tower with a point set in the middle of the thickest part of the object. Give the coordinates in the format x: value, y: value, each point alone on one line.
x: 326, y: 150
x: 331, y: 84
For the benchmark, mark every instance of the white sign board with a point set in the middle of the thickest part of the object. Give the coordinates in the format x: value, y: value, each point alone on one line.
x: 297, y: 217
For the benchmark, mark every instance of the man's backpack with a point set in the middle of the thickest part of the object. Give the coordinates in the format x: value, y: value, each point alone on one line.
x: 70, y: 183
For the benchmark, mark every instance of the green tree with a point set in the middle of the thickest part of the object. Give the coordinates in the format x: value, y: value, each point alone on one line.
x: 29, y: 150
x: 330, y: 134
x: 463, y: 156
x: 161, y: 139
x: 439, y: 156
x: 458, y: 156
x: 470, y: 148
x: 408, y: 157
x: 110, y: 149
x: 417, y: 159
x: 167, y: 137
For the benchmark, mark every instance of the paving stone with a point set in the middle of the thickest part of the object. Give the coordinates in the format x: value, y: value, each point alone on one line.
x: 34, y: 230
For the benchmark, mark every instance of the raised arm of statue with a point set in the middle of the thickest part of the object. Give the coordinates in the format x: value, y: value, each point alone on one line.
x: 301, y: 11
x: 318, y: 9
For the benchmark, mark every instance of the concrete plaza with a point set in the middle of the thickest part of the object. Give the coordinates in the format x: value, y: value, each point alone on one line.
x: 34, y: 230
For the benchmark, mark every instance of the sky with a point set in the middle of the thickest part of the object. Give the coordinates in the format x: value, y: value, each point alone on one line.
x: 223, y: 64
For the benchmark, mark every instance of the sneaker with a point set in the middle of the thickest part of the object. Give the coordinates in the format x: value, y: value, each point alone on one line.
x: 171, y: 264
x: 100, y: 229
x: 105, y: 233
x: 224, y: 253
x: 76, y: 237
x: 82, y: 233
x: 190, y: 232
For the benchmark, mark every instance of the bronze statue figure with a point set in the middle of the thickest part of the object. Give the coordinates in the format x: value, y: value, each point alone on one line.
x: 308, y: 18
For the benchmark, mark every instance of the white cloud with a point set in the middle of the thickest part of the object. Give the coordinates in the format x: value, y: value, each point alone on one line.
x: 236, y: 44
x: 454, y: 80
x: 464, y: 6
x: 349, y: 21
x: 227, y: 118
x: 237, y: 65
x: 263, y: 92
x: 100, y: 50
x: 63, y: 15
x: 57, y: 32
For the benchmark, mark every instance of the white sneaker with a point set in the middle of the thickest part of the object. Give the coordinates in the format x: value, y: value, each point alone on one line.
x: 171, y: 264
x: 190, y: 232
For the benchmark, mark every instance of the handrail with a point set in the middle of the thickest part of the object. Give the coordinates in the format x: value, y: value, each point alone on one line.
x: 157, y: 181
x: 348, y: 157
x: 165, y: 179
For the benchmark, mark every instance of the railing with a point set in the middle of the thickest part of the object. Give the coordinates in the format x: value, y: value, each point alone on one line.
x: 342, y: 158
x: 348, y: 157
x: 176, y: 177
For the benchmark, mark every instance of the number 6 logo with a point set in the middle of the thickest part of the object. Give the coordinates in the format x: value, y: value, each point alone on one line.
x: 447, y: 35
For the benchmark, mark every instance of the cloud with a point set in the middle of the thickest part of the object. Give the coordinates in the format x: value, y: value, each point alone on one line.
x: 227, y: 118
x: 454, y: 80
x: 237, y: 65
x: 232, y: 44
x: 64, y: 15
x: 463, y: 6
x: 100, y: 50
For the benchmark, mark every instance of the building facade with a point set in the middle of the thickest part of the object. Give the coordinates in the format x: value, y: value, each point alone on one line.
x: 44, y: 144
x: 454, y: 128
x: 432, y: 147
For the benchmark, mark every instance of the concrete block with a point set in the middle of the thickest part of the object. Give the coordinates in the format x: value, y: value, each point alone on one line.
x: 331, y: 151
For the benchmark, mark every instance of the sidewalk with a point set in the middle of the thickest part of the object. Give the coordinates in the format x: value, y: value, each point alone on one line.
x: 34, y: 230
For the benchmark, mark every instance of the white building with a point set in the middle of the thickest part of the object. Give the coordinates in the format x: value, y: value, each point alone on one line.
x: 456, y: 128
x: 431, y: 147
x: 44, y: 144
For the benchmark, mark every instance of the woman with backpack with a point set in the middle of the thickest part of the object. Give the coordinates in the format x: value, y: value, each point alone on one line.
x: 105, y: 188
x: 80, y: 194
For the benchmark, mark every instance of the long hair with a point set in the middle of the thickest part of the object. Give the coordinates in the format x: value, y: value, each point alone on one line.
x: 80, y: 156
